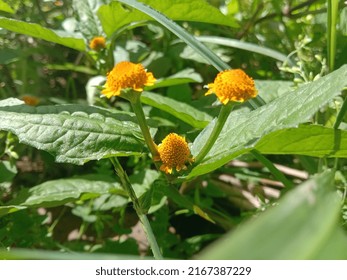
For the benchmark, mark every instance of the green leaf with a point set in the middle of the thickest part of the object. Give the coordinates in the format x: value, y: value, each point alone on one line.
x: 5, y: 7
x: 74, y: 133
x: 92, y: 88
x: 333, y: 246
x: 242, y: 130
x: 310, y: 140
x: 158, y: 197
x: 244, y: 46
x: 182, y: 77
x: 182, y: 111
x: 88, y: 22
x: 123, y: 16
x: 300, y: 227
x: 7, y: 171
x: 190, y: 40
x: 343, y: 21
x: 33, y: 254
x: 11, y: 102
x: 142, y: 181
x: 114, y: 16
x: 58, y: 192
x: 8, y: 56
x: 37, y: 31
x: 143, y: 184
x: 270, y: 90
x: 8, y: 209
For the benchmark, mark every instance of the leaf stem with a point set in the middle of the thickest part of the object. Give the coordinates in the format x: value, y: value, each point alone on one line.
x: 137, y: 206
x: 272, y: 168
x: 223, y: 116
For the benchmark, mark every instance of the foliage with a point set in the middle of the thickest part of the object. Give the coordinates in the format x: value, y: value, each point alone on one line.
x: 80, y: 173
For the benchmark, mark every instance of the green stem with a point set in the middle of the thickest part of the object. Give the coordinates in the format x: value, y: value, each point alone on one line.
x: 339, y: 118
x: 342, y: 112
x: 272, y: 168
x: 137, y: 206
x: 332, y: 19
x: 140, y: 115
x: 223, y: 116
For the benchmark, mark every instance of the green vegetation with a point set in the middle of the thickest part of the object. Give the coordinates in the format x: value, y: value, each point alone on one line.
x: 80, y: 176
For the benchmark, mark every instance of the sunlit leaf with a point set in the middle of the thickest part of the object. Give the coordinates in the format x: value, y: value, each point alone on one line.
x: 242, y: 130
x: 143, y: 185
x: 88, y: 22
x: 92, y: 88
x: 5, y: 7
x: 182, y: 77
x: 270, y: 90
x: 310, y: 140
x: 114, y: 15
x: 37, y: 31
x: 162, y: 19
x: 74, y: 133
x: 11, y: 102
x: 142, y: 181
x: 301, y: 226
x: 58, y: 192
x: 34, y: 254
x: 182, y: 111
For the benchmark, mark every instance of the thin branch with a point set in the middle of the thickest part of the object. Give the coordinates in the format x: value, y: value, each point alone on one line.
x: 286, y: 12
x: 250, y: 23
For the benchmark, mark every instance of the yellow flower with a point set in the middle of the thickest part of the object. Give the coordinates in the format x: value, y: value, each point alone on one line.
x: 30, y: 100
x: 232, y: 85
x: 174, y: 153
x: 127, y: 75
x: 97, y: 43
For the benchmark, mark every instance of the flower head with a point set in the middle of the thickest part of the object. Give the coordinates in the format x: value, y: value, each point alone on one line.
x: 174, y: 153
x: 232, y: 85
x: 30, y: 100
x: 97, y: 43
x: 127, y: 75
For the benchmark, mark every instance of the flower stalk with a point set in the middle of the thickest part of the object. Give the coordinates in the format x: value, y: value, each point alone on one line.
x: 230, y: 86
x: 141, y: 119
x: 137, y: 206
x: 222, y: 117
x: 127, y: 81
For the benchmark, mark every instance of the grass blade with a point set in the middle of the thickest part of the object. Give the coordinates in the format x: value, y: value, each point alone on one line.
x: 199, y: 47
x: 245, y: 46
x: 181, y: 33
